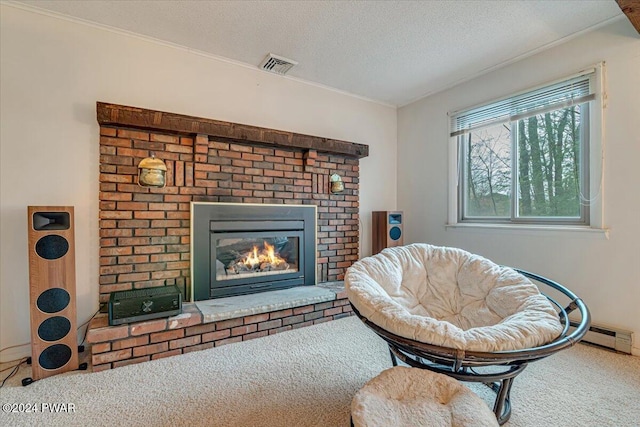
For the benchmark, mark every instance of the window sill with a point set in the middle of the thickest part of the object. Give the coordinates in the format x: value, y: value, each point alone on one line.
x: 532, y: 229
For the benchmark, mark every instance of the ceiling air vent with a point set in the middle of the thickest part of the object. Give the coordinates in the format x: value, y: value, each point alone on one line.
x: 277, y: 64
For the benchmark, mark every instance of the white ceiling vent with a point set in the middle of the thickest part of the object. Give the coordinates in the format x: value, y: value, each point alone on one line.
x: 277, y: 64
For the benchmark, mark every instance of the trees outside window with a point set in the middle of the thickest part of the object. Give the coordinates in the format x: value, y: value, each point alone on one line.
x: 541, y: 162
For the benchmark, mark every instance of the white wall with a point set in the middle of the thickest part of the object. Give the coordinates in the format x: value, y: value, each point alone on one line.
x: 604, y: 272
x: 53, y: 72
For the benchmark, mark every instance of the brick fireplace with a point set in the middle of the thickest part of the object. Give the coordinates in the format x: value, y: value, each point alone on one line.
x: 145, y: 232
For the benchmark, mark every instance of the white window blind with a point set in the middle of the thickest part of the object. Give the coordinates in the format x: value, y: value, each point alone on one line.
x: 572, y: 91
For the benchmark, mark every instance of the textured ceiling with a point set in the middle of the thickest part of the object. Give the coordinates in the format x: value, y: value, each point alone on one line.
x: 389, y: 51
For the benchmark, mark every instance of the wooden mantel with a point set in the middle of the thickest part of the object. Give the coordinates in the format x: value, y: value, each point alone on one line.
x: 631, y: 8
x: 140, y: 118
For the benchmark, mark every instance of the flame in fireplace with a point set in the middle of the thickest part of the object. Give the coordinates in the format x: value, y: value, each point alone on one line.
x: 267, y: 255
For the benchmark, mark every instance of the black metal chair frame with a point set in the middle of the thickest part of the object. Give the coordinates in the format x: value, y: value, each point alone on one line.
x: 497, y: 370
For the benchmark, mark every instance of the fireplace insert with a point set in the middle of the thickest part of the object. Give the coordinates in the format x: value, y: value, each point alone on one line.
x: 245, y: 248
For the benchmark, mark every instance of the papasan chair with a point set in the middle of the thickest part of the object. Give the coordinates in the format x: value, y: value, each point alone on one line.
x: 459, y: 314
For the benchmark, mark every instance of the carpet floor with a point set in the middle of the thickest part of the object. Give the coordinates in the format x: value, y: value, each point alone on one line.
x: 307, y: 377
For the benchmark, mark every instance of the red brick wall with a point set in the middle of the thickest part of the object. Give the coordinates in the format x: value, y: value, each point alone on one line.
x: 144, y: 232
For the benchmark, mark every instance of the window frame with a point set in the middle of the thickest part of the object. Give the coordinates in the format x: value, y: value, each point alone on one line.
x: 592, y: 157
x: 515, y: 217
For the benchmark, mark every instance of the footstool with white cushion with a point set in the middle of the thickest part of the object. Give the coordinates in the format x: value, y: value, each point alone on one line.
x: 409, y: 397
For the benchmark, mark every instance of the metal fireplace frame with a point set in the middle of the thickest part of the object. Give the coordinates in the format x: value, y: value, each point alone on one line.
x: 230, y: 220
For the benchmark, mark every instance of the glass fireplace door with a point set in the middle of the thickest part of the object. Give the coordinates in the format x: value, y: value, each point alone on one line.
x: 245, y: 261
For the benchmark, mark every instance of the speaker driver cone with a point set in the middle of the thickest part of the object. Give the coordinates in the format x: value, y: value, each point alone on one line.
x: 54, y: 357
x: 54, y: 328
x: 395, y: 233
x: 53, y: 300
x: 52, y: 247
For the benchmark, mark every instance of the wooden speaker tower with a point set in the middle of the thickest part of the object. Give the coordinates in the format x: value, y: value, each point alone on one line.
x: 52, y: 285
x: 387, y: 230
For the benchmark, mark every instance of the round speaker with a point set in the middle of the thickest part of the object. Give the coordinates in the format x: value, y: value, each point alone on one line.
x: 395, y: 233
x: 54, y: 328
x: 54, y: 357
x: 52, y: 247
x: 53, y: 300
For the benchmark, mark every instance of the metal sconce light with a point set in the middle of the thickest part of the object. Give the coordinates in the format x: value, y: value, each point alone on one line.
x: 152, y: 172
x: 337, y: 186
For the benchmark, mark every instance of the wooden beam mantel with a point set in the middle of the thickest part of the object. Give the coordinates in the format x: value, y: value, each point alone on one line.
x: 631, y: 8
x: 140, y: 118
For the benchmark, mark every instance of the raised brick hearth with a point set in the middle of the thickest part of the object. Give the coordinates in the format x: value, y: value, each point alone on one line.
x: 114, y: 346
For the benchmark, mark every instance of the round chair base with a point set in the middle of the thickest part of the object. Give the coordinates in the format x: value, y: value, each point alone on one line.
x: 402, y: 396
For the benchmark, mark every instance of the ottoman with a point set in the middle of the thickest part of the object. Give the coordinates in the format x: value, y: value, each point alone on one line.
x: 410, y: 397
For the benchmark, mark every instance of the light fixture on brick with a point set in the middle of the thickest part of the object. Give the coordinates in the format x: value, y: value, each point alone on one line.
x: 152, y: 172
x: 337, y: 186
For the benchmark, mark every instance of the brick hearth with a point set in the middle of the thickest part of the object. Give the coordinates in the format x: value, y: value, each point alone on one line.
x: 114, y: 346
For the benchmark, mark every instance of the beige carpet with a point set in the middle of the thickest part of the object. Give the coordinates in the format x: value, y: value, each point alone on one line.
x: 307, y: 377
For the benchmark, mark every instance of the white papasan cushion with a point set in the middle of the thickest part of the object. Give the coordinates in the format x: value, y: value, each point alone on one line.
x: 451, y: 298
x: 410, y: 397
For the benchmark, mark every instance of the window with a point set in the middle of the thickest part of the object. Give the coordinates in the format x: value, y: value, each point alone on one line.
x: 529, y: 158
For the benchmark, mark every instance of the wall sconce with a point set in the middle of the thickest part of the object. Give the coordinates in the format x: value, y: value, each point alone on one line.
x: 337, y: 186
x: 152, y: 172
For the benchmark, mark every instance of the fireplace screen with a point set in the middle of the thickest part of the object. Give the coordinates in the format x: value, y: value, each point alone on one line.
x: 249, y: 257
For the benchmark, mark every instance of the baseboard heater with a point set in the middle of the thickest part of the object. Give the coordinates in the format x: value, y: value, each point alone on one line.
x: 607, y: 337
